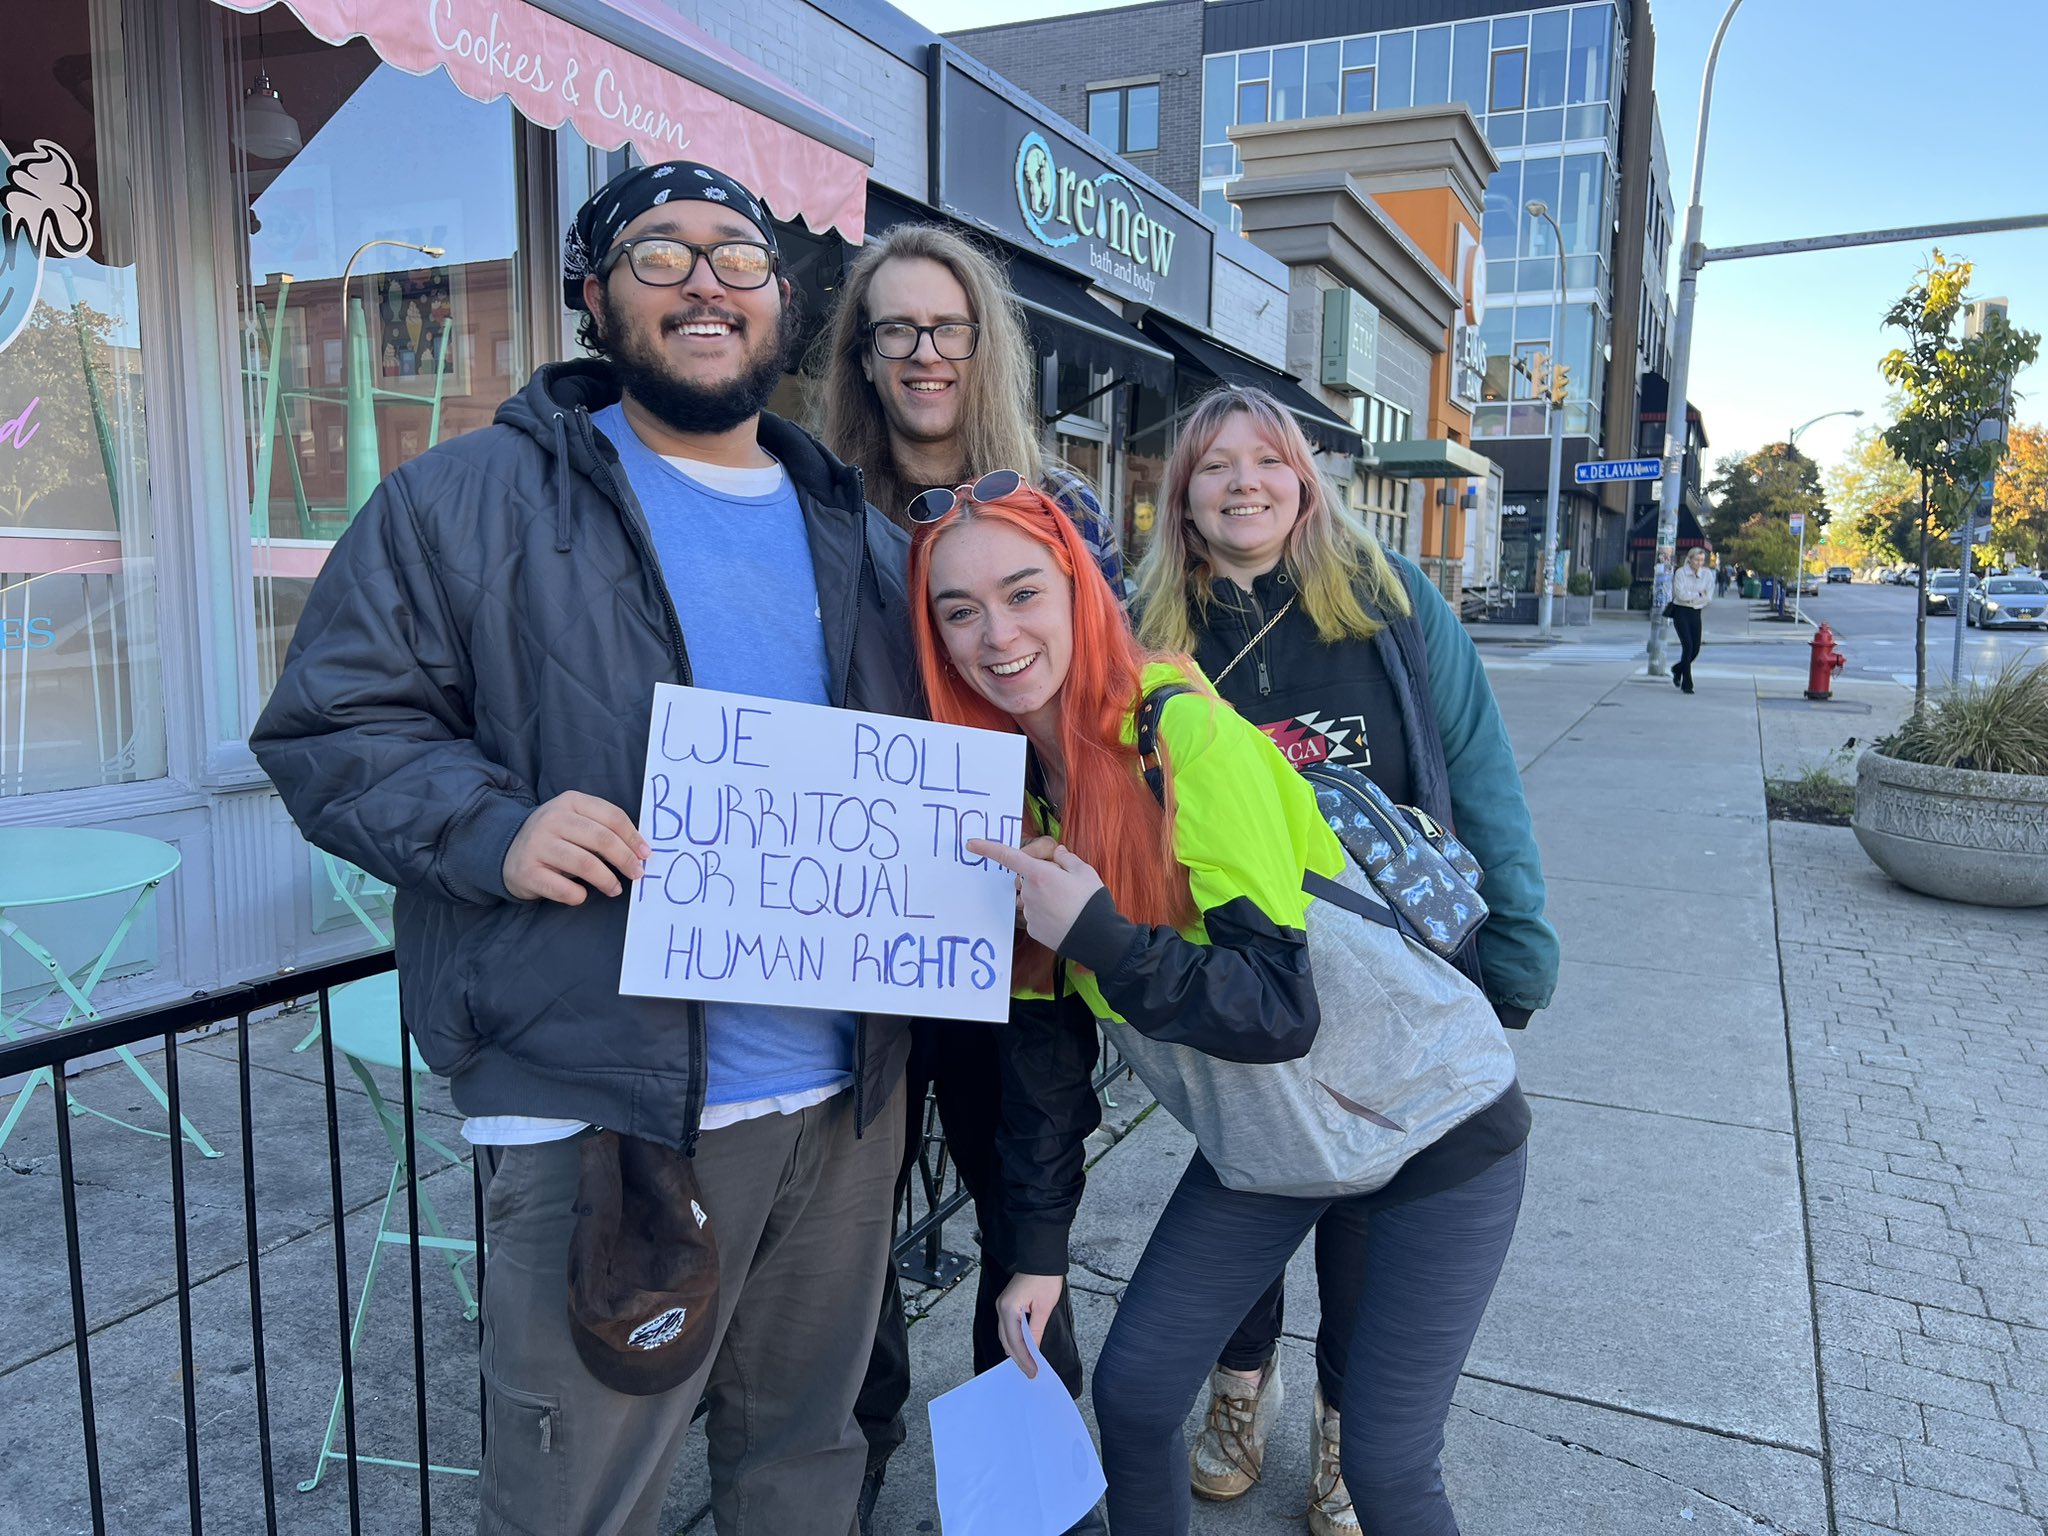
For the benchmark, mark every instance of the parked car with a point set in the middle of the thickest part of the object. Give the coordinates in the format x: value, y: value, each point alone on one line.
x: 1942, y: 587
x: 1840, y: 573
x: 2009, y: 602
x: 1809, y: 585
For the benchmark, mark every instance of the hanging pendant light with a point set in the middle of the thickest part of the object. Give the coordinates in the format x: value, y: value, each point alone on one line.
x: 267, y: 131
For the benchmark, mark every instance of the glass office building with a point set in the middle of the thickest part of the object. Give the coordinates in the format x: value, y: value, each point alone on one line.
x: 1546, y: 87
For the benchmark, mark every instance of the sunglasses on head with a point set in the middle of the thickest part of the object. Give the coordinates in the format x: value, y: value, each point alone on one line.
x: 931, y: 505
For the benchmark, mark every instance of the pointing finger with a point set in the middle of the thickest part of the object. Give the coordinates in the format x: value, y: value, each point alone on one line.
x: 1012, y: 859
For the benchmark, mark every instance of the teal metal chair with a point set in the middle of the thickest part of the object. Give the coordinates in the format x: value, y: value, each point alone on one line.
x: 355, y: 889
x: 363, y: 1024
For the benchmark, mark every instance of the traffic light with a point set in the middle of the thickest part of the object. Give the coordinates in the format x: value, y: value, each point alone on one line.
x: 1560, y: 384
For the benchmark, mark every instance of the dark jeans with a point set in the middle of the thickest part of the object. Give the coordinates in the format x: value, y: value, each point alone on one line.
x: 958, y: 1059
x: 1687, y: 622
x: 1428, y: 1272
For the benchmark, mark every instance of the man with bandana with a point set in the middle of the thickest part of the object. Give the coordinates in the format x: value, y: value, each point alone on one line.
x: 464, y: 712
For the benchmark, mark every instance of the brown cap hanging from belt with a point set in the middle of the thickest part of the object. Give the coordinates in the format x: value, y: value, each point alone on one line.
x: 643, y: 1266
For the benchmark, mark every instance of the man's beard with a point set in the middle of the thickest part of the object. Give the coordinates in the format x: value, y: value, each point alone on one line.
x: 683, y: 405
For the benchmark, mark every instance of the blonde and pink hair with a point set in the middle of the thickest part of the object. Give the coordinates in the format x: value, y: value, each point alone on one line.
x: 1338, y: 566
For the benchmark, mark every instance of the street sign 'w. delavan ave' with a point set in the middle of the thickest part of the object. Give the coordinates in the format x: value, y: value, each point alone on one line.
x: 1593, y: 471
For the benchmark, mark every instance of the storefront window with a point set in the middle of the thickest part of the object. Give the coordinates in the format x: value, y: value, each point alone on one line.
x: 351, y: 171
x: 80, y: 687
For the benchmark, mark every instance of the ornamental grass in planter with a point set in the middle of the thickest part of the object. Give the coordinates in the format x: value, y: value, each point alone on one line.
x: 1955, y: 802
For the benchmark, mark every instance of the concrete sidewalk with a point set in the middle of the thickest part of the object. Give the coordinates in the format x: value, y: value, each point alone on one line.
x: 1729, y: 621
x: 1649, y: 1359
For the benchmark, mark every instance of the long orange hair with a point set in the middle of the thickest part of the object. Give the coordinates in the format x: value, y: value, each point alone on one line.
x: 1110, y: 817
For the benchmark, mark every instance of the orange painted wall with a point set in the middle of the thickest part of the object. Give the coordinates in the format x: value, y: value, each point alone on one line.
x: 1432, y: 217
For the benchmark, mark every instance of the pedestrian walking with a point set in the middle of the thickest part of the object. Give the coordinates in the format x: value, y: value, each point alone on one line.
x: 1342, y: 654
x: 1692, y: 589
x: 1185, y: 924
x: 464, y: 712
x: 927, y: 383
x: 1723, y: 576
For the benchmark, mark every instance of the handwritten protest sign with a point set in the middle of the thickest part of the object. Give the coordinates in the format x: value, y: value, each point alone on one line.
x: 815, y: 858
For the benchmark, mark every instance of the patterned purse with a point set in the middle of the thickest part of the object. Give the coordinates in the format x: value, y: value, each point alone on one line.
x: 1427, y: 876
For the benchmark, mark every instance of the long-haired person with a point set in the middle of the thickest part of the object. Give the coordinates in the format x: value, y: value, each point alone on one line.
x: 1692, y: 592
x: 928, y: 382
x: 1341, y: 653
x: 1184, y: 916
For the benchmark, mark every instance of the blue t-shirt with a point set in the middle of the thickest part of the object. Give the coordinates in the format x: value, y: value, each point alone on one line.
x: 739, y: 571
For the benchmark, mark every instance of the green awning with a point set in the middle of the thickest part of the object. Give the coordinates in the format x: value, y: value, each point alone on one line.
x: 1428, y: 458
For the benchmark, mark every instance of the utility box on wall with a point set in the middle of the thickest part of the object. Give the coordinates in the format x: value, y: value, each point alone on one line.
x: 1351, y: 339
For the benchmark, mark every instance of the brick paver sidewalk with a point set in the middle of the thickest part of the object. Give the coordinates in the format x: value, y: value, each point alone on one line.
x: 1919, y: 1034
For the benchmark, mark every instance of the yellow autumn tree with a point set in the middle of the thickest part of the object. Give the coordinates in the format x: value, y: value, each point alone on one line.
x: 2019, y: 514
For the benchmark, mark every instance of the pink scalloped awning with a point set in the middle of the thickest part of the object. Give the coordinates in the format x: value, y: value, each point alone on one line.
x: 556, y: 73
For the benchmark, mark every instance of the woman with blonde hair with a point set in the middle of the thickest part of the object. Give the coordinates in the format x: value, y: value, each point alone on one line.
x: 1342, y: 653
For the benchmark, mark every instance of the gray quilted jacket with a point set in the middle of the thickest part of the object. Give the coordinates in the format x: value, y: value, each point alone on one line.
x: 487, y: 635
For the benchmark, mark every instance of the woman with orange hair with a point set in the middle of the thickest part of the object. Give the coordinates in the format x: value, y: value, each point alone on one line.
x: 1179, y: 911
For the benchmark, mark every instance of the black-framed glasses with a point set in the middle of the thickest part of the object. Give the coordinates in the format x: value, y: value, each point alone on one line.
x: 954, y: 340
x: 931, y: 505
x: 661, y: 261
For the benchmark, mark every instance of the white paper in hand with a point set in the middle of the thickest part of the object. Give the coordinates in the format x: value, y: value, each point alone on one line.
x: 1013, y: 1457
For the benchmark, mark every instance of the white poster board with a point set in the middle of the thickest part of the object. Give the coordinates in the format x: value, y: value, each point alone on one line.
x: 815, y: 858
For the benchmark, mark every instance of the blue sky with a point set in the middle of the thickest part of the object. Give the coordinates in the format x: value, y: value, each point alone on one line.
x: 1821, y: 126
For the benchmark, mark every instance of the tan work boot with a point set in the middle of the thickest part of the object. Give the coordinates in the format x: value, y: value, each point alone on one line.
x: 1225, y: 1459
x: 1329, y: 1506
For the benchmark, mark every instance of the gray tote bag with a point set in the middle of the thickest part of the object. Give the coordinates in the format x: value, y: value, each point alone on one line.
x: 1408, y: 1049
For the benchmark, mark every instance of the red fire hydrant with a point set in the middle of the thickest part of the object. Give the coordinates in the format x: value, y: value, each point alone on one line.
x: 1825, y: 663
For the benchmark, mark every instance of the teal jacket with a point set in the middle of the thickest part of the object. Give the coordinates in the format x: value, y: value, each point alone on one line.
x: 1518, y: 950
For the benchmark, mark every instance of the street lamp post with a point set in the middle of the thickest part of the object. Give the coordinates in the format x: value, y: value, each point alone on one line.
x: 1799, y: 570
x: 1691, y: 257
x: 365, y: 468
x: 1546, y: 597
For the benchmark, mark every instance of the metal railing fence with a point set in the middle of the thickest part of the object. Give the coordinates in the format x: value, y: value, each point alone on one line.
x: 934, y: 1197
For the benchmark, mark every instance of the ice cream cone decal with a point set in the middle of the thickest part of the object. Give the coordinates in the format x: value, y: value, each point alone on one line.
x: 44, y: 211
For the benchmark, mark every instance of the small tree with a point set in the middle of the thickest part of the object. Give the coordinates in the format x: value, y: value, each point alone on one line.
x: 1775, y: 481
x: 1768, y: 546
x: 1952, y: 386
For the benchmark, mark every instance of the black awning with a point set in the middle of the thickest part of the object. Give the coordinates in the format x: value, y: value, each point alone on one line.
x: 1324, y: 428
x: 1642, y: 533
x: 1063, y: 319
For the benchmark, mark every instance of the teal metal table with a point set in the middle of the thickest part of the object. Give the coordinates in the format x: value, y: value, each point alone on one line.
x: 50, y: 867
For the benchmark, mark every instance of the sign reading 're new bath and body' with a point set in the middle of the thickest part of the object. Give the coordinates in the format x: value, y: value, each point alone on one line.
x: 1039, y: 184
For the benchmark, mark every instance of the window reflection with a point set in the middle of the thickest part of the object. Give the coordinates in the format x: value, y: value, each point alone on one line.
x: 80, y: 687
x: 339, y: 387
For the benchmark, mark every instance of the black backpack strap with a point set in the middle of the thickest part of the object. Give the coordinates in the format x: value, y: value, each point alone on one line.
x: 1148, y: 736
x: 1323, y: 888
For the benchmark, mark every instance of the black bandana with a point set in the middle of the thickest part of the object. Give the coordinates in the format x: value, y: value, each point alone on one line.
x: 631, y: 193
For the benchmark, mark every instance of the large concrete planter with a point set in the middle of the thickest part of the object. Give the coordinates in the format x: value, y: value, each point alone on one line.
x: 1955, y: 832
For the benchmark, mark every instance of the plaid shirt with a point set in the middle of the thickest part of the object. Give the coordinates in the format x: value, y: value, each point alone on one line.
x: 1077, y: 499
